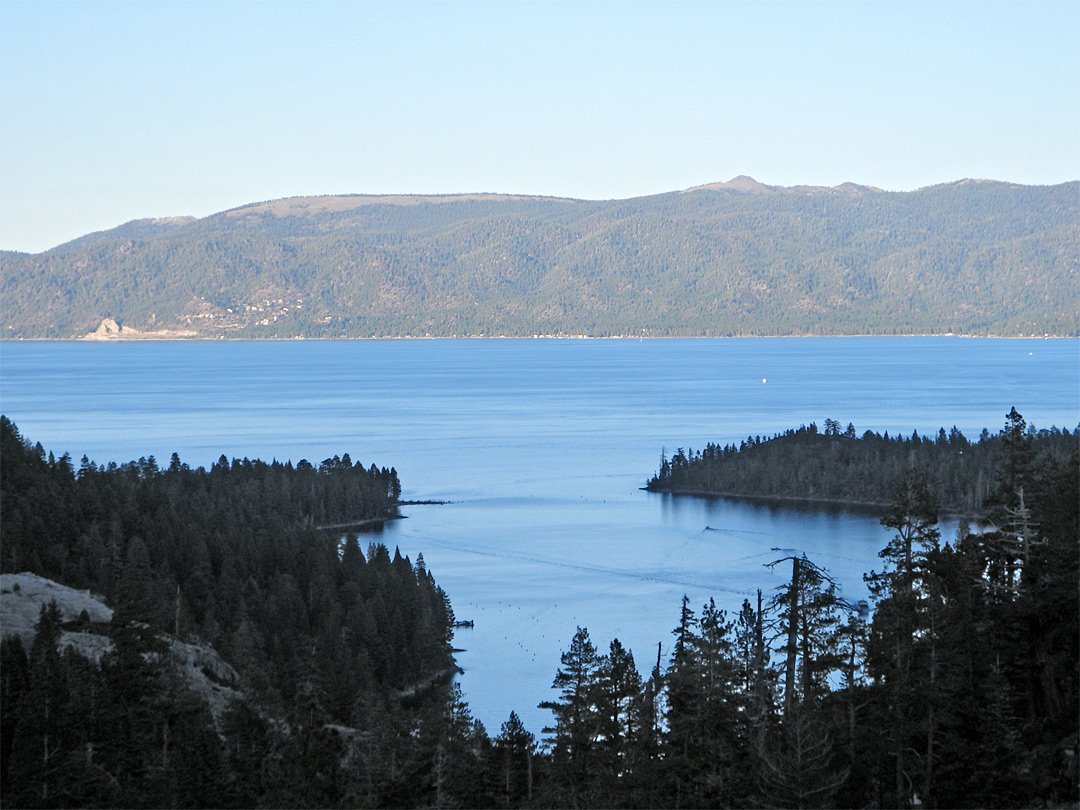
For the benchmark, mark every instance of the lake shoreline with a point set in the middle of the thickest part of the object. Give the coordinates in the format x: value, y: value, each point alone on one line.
x: 860, y: 506
x: 355, y: 524
x: 146, y: 337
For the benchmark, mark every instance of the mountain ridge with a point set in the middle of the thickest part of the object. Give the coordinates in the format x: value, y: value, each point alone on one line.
x: 742, y: 183
x: 732, y: 258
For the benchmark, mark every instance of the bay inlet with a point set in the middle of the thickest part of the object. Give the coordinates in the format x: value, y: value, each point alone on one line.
x: 538, y: 450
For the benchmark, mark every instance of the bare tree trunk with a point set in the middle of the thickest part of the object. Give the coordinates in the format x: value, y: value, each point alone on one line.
x: 439, y: 762
x: 528, y: 760
x: 792, y: 638
x: 45, y: 768
x: 176, y: 621
x: 806, y: 662
x: 898, y: 728
x: 759, y: 675
x: 928, y: 778
x: 851, y: 694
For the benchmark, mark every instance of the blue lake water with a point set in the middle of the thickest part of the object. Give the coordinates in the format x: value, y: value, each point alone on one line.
x: 542, y: 447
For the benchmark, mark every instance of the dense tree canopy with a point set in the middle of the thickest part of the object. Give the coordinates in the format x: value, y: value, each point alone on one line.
x: 235, y: 556
x: 960, y: 691
x: 957, y: 687
x: 834, y: 463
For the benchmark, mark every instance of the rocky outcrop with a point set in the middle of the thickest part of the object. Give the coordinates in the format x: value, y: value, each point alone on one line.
x: 111, y: 330
x: 108, y: 328
x: 198, y: 666
x: 205, y: 673
x: 23, y: 595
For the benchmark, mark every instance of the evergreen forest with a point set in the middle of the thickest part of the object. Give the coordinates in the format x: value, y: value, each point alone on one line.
x: 956, y: 686
x: 833, y: 463
x: 728, y: 259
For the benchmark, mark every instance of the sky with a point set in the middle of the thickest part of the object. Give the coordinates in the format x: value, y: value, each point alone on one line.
x: 112, y: 111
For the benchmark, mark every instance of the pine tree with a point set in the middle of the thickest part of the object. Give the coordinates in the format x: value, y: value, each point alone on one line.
x: 619, y: 707
x: 905, y: 595
x: 577, y: 721
x: 757, y: 678
x: 14, y: 684
x: 38, y: 748
x: 799, y: 768
x: 807, y: 608
x: 515, y: 748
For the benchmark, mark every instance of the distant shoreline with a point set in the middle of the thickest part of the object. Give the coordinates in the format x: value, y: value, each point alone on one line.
x: 143, y: 338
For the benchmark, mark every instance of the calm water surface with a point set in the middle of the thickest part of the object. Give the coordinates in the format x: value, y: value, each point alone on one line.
x: 542, y: 447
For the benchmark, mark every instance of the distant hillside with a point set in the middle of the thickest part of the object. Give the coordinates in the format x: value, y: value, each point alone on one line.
x: 735, y: 258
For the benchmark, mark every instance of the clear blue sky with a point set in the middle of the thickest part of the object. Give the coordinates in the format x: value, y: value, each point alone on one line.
x: 113, y: 111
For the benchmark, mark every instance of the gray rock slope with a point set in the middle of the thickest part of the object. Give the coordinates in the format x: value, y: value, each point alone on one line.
x: 198, y: 666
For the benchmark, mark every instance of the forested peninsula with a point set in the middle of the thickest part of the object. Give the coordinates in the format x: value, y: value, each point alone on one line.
x: 739, y: 258
x: 833, y: 463
x: 226, y: 652
x: 303, y: 640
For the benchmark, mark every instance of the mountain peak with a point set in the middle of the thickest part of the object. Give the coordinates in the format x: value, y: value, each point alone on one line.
x: 744, y: 183
x: 856, y: 188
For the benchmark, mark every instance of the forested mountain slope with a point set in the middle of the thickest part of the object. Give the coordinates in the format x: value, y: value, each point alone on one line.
x: 737, y: 258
